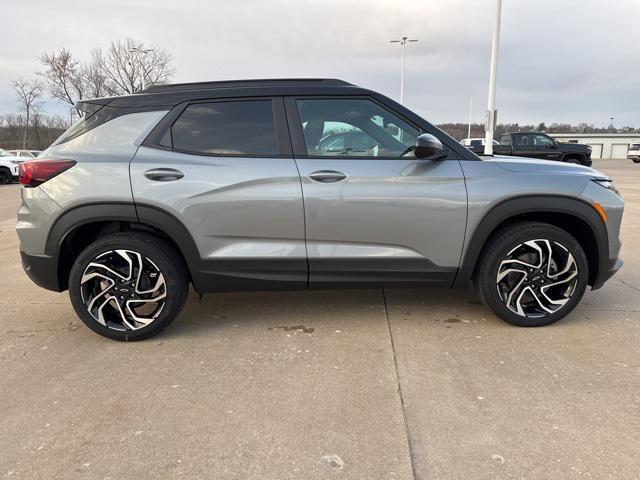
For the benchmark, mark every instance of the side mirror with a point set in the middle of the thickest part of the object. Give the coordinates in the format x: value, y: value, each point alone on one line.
x: 429, y: 147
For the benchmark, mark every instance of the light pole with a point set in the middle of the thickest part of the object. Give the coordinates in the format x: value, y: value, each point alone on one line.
x: 491, y: 102
x: 470, y: 110
x: 145, y: 75
x: 403, y: 43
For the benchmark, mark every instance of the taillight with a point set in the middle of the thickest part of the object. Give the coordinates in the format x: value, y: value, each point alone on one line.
x: 36, y: 172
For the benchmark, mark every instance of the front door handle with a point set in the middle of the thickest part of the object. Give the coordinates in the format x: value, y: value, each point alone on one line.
x: 163, y: 174
x: 327, y: 176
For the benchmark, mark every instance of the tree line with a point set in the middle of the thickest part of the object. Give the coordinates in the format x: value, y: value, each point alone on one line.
x: 460, y: 130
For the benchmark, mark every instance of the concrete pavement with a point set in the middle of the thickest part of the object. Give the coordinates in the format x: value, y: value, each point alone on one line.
x: 398, y: 384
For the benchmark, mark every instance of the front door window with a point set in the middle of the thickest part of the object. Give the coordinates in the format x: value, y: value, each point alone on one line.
x: 354, y: 128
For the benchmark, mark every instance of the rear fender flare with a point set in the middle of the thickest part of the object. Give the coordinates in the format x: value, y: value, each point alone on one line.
x: 125, y: 212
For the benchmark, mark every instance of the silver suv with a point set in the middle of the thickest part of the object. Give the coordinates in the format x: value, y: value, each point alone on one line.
x: 299, y: 184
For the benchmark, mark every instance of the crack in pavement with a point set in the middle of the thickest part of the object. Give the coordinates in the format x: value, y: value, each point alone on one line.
x: 402, y: 405
x: 628, y: 284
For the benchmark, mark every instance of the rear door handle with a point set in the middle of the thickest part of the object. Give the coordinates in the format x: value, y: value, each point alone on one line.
x: 163, y: 174
x: 327, y: 176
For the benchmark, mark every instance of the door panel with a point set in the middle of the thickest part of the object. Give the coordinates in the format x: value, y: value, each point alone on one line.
x: 389, y: 222
x: 374, y: 214
x: 244, y: 214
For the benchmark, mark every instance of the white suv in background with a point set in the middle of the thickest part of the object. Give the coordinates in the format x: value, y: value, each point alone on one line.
x: 634, y: 152
x: 25, y: 154
x: 8, y: 167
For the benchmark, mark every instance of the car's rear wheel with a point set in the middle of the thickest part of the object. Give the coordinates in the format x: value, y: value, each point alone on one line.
x: 636, y: 160
x: 5, y: 176
x: 128, y: 286
x: 532, y: 274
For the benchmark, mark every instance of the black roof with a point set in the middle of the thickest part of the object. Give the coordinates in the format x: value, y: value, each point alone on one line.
x: 164, y: 97
x: 269, y: 82
x: 172, y: 94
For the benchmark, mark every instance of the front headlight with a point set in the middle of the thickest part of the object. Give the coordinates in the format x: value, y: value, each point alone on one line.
x: 589, y: 147
x: 606, y: 183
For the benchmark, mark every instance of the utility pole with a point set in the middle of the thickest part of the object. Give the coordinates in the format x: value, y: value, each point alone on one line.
x: 403, y: 43
x: 491, y: 102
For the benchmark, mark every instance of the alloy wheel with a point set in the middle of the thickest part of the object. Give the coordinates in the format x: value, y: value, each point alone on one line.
x: 123, y: 290
x: 537, y: 278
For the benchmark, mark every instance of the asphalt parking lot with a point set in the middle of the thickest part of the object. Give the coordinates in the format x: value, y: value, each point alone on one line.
x: 399, y: 384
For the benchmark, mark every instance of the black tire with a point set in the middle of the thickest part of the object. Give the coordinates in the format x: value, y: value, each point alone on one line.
x: 504, y: 246
x: 163, y: 261
x: 636, y: 160
x: 5, y: 176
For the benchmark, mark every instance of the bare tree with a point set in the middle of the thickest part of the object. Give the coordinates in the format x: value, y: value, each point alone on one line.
x: 129, y: 66
x: 29, y: 94
x: 126, y: 66
x: 64, y: 76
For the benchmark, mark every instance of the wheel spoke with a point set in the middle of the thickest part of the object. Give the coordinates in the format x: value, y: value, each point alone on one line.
x: 515, y: 291
x: 157, y: 287
x: 503, y: 274
x: 105, y: 269
x: 545, y: 308
x: 125, y: 254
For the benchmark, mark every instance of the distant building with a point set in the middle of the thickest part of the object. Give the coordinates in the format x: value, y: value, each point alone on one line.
x: 604, y: 145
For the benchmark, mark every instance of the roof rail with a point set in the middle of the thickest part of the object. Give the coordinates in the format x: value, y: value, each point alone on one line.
x: 176, y: 87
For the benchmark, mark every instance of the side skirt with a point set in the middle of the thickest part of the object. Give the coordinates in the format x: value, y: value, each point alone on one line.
x: 242, y: 275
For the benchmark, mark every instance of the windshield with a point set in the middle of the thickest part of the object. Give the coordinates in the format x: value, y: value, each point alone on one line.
x: 4, y: 153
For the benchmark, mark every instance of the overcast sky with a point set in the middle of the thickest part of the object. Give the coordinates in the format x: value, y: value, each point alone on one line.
x: 560, y: 60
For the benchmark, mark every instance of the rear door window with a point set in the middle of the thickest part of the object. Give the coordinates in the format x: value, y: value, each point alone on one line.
x: 244, y: 127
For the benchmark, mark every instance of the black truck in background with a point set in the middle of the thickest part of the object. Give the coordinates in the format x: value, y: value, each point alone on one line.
x: 539, y: 145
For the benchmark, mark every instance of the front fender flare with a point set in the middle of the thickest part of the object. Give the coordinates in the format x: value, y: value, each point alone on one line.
x: 530, y: 204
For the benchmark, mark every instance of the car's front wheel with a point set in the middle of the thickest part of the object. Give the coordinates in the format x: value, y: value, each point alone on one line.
x: 532, y: 274
x: 128, y: 286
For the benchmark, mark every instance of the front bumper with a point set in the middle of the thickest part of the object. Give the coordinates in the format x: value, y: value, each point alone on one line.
x: 42, y: 270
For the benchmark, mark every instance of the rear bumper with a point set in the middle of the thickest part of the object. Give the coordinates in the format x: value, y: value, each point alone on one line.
x: 42, y: 270
x: 606, y: 273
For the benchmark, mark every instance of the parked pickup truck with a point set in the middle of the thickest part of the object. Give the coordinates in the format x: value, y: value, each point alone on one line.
x: 541, y: 145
